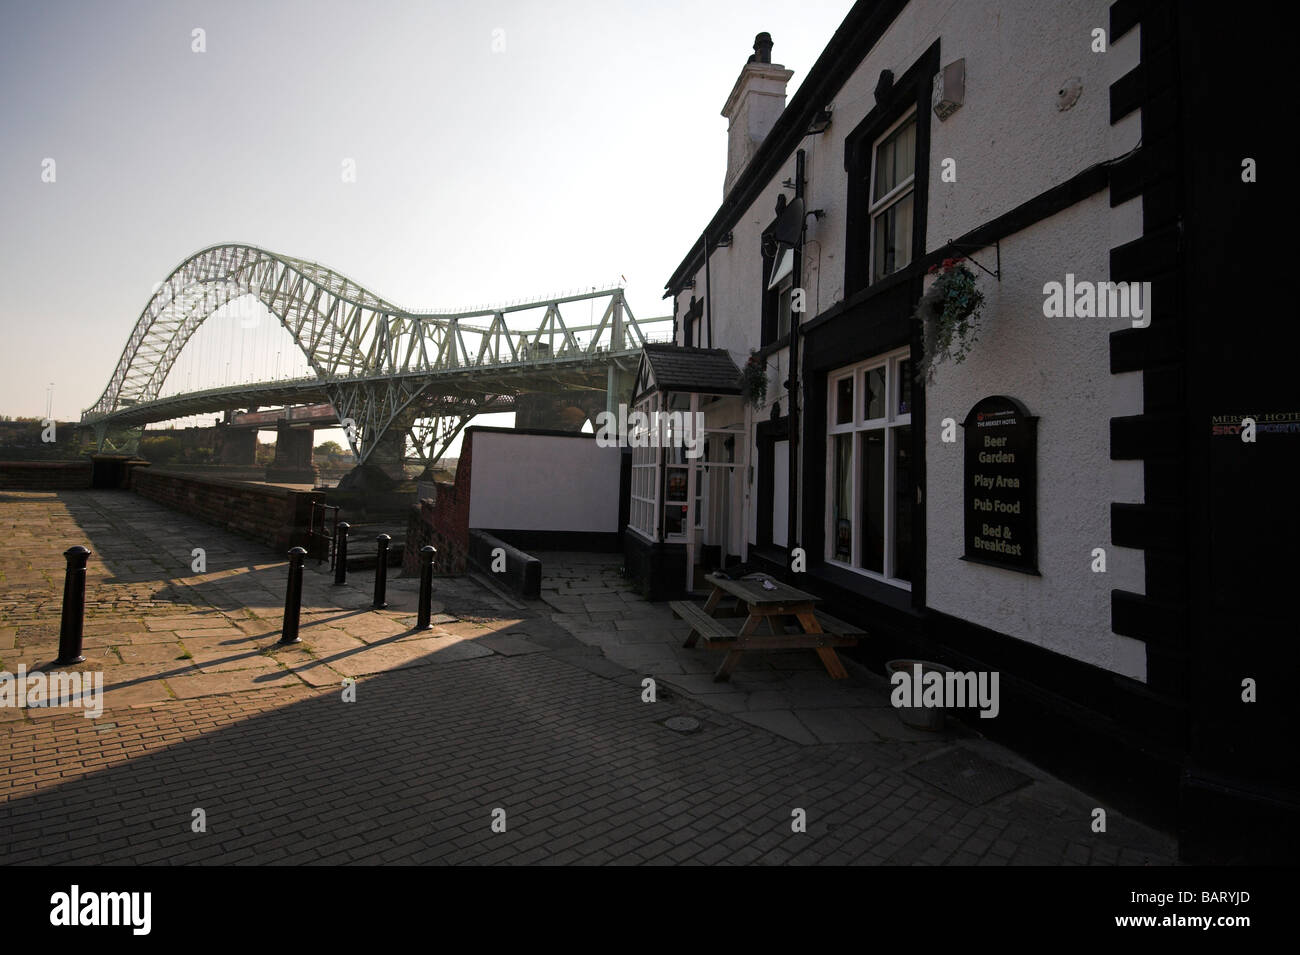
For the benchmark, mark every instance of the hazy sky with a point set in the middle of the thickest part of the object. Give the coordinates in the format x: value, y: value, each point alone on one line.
x: 590, y: 147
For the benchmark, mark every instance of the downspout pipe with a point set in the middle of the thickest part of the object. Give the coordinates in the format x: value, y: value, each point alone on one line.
x: 792, y: 389
x: 708, y: 290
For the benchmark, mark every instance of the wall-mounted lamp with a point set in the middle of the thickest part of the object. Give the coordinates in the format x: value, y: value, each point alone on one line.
x: 730, y: 445
x: 723, y: 242
x: 821, y: 122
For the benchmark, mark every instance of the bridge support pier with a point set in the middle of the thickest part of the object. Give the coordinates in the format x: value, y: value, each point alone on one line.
x: 389, y: 452
x: 292, y: 463
x: 236, y: 447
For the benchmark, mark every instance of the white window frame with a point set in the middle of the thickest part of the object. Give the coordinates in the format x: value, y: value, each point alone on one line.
x: 785, y: 291
x: 877, y: 207
x: 858, y: 426
x: 643, y: 517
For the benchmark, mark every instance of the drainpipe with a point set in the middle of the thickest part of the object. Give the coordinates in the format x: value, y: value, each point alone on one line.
x: 791, y: 538
x: 708, y: 292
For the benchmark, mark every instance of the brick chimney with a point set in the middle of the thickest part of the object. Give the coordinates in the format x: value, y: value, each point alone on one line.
x: 755, y: 102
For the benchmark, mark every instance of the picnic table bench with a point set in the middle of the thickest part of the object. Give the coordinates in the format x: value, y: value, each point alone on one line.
x: 765, y: 601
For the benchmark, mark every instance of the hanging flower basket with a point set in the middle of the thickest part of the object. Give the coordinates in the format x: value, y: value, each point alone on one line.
x: 949, y: 313
x: 753, y: 380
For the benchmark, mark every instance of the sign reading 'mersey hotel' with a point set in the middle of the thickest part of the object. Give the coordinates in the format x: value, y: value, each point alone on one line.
x: 1001, y: 478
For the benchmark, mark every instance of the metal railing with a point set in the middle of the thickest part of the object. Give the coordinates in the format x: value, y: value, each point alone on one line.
x: 322, y: 536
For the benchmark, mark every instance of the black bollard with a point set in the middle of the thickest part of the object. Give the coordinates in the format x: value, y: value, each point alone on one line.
x: 426, y: 587
x: 293, y: 596
x: 341, y: 554
x: 74, y: 606
x: 381, y: 573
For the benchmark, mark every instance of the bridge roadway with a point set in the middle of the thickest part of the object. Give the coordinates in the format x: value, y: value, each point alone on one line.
x: 451, y: 387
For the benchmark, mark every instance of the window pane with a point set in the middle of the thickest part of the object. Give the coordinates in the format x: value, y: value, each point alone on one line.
x: 875, y: 397
x: 844, y: 400
x: 903, y: 233
x: 895, y: 159
x: 703, y: 476
x: 873, y: 500
x: 676, y: 490
x: 783, y: 313
x: 892, y: 240
x: 904, y: 387
x: 905, y: 151
x: 884, y: 169
x: 842, y: 521
x: 903, y: 503
x: 674, y: 518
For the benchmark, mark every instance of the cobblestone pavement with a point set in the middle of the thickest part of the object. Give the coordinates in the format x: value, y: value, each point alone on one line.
x: 526, y: 715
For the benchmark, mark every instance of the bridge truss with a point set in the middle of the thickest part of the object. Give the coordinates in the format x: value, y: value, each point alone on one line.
x: 383, y: 368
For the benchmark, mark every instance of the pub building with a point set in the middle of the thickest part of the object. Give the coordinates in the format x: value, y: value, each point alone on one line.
x: 1047, y: 500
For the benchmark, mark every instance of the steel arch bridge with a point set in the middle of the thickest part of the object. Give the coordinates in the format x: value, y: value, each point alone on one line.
x: 380, y: 366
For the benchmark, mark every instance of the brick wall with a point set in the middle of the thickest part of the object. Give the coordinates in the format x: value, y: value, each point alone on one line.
x: 44, y: 475
x: 444, y: 521
x: 278, y: 517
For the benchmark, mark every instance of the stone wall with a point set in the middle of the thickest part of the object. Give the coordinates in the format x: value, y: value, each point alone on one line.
x: 44, y: 475
x: 275, y: 516
x: 444, y: 521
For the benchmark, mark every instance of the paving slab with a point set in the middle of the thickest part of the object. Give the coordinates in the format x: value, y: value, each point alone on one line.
x: 781, y: 722
x: 207, y: 621
x: 238, y: 681
x: 171, y: 652
x: 509, y: 644
x: 832, y: 725
x: 406, y: 653
x: 314, y: 672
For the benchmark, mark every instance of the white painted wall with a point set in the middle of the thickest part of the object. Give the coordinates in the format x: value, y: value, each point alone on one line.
x: 543, y: 483
x: 1010, y: 143
x: 1059, y: 368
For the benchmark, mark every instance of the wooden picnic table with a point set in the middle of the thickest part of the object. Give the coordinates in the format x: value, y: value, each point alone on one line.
x: 771, y: 604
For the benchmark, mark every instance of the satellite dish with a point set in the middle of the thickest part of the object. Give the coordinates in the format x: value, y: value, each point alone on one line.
x: 789, y: 227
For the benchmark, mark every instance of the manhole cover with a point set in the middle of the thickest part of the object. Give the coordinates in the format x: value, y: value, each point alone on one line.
x: 682, y: 724
x: 972, y: 779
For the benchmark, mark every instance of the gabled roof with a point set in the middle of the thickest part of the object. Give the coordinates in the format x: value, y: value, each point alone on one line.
x: 676, y: 368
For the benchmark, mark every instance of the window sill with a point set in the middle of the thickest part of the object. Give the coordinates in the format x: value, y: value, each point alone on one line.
x: 890, y: 595
x: 857, y: 572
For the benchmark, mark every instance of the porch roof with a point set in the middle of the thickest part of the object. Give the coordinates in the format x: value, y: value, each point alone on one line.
x: 678, y: 368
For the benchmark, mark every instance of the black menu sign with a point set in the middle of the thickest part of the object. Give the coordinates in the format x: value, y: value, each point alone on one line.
x: 1001, y: 477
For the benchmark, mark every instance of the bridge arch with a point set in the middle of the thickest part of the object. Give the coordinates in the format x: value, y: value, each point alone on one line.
x: 333, y: 320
